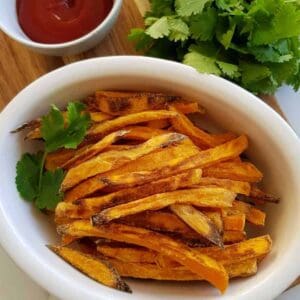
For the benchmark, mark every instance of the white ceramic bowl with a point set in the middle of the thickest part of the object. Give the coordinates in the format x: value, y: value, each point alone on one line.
x: 273, y: 146
x: 10, y: 25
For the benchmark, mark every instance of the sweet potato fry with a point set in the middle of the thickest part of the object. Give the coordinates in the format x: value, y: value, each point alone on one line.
x: 253, y: 215
x: 85, y: 208
x: 230, y: 237
x: 163, y: 164
x: 56, y: 159
x: 188, y: 107
x: 142, y: 133
x: 243, y: 171
x: 98, y: 117
x: 216, y: 218
x: 92, y: 150
x: 239, y: 187
x: 136, y: 255
x: 201, y: 138
x: 178, y: 273
x: 161, y: 221
x: 124, y: 103
x: 114, y: 159
x: 198, y: 221
x: 234, y: 222
x: 67, y: 239
x: 259, y: 195
x: 102, y: 129
x: 200, y: 264
x: 98, y: 269
x: 201, y: 197
x: 183, y: 125
x: 158, y: 124
x: 153, y: 166
x: 235, y: 253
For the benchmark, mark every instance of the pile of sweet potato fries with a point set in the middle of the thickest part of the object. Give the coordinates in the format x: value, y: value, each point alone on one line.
x: 150, y: 195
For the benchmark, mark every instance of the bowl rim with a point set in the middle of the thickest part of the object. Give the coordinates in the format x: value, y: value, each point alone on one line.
x: 36, y: 267
x: 28, y: 42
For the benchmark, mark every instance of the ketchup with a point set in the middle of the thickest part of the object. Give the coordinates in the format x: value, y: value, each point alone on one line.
x: 59, y: 21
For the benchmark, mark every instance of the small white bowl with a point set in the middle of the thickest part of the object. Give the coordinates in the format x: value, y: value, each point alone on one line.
x: 274, y: 147
x: 10, y: 25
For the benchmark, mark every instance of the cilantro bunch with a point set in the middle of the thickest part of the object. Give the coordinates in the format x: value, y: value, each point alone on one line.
x: 33, y: 182
x: 253, y: 43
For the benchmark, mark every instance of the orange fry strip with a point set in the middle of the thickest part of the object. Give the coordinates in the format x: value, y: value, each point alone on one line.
x: 198, y: 221
x: 201, y: 197
x: 208, y: 268
x: 234, y: 222
x: 166, y: 163
x: 243, y: 171
x: 98, y: 269
x: 230, y: 237
x: 87, y: 207
x: 239, y: 187
x: 111, y: 160
x: 106, y: 127
x: 178, y: 273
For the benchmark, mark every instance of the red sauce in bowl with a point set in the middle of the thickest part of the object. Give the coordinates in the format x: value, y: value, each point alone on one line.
x: 59, y: 21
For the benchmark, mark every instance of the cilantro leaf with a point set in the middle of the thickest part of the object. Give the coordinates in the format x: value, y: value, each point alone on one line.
x: 34, y: 185
x: 161, y: 8
x: 202, y: 26
x: 27, y: 178
x: 179, y: 31
x: 142, y: 40
x: 252, y: 72
x: 262, y: 34
x: 159, y: 29
x: 49, y: 195
x: 201, y: 62
x: 229, y: 70
x: 57, y: 134
x: 187, y: 8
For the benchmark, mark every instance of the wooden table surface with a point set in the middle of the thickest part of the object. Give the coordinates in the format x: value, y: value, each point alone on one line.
x: 20, y: 66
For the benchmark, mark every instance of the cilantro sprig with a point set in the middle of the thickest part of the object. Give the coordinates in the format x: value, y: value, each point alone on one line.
x: 33, y: 182
x: 253, y: 43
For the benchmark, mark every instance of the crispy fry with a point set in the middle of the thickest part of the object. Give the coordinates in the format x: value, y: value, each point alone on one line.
x: 183, y: 125
x: 201, y: 138
x: 201, y: 197
x: 142, y: 133
x: 234, y: 222
x: 67, y: 239
x: 153, y: 166
x: 216, y: 218
x: 56, y: 159
x: 158, y: 124
x: 136, y: 255
x: 239, y: 187
x: 253, y: 215
x: 243, y: 171
x: 33, y: 134
x: 257, y: 194
x: 85, y: 208
x: 98, y: 117
x: 165, y: 163
x: 114, y: 159
x: 123, y: 103
x: 161, y: 221
x: 196, y: 262
x: 90, y: 151
x: 188, y: 107
x: 102, y: 129
x: 151, y: 271
x: 230, y: 237
x: 98, y: 269
x: 235, y: 253
x: 198, y: 221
